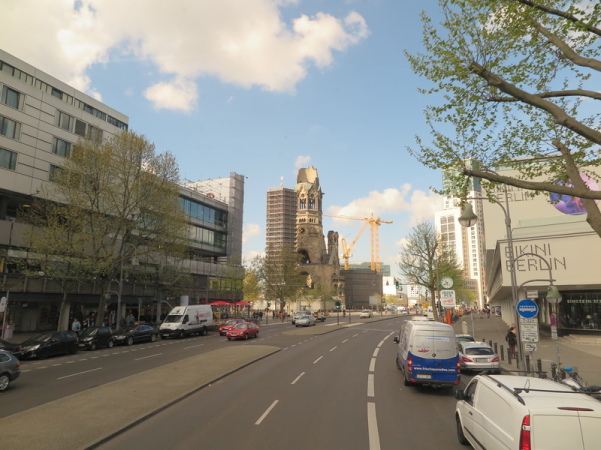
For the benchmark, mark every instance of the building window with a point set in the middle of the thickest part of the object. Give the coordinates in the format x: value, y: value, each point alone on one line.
x: 65, y: 121
x: 12, y: 98
x: 54, y: 171
x: 80, y: 127
x: 9, y: 128
x: 56, y: 93
x: 61, y: 148
x: 94, y: 133
x: 8, y: 159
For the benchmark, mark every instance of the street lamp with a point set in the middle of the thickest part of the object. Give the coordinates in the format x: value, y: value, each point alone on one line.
x: 134, y: 262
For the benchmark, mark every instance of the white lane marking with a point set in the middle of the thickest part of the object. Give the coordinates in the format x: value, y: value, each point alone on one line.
x: 79, y: 373
x: 370, y: 385
x: 333, y: 348
x: 258, y: 422
x: 69, y: 362
x: 297, y: 378
x: 317, y: 360
x: 149, y: 356
x: 355, y: 335
x: 192, y: 346
x: 376, y: 352
x: 372, y: 365
x: 344, y: 341
x: 372, y: 427
x: 55, y: 365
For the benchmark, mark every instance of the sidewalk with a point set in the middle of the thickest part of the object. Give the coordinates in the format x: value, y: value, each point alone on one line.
x: 586, y: 358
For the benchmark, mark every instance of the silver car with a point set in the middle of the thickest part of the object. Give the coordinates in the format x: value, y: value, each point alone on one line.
x: 478, y: 356
x: 10, y: 369
x: 305, y: 321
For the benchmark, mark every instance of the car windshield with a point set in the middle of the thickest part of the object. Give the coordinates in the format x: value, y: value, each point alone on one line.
x: 40, y: 338
x: 465, y: 338
x: 173, y: 318
x: 475, y: 351
x: 89, y: 332
x: 232, y: 322
x: 366, y: 311
x: 241, y: 326
x: 128, y: 329
x: 305, y: 317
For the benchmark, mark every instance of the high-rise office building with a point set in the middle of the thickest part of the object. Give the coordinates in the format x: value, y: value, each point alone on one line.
x: 280, y: 227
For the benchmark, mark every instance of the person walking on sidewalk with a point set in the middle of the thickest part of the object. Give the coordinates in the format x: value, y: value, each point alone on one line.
x: 512, y: 341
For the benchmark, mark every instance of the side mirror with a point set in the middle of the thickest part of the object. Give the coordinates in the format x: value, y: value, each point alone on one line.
x: 459, y: 394
x: 396, y: 339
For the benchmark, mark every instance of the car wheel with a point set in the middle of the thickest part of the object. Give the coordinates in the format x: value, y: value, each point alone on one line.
x: 130, y: 340
x: 93, y: 346
x: 74, y: 350
x: 110, y: 344
x: 406, y: 381
x: 153, y: 338
x: 398, y: 364
x: 229, y: 339
x: 204, y: 331
x: 4, y: 382
x: 460, y: 435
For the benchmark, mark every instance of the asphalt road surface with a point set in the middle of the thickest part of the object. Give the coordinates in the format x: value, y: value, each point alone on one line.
x: 339, y: 390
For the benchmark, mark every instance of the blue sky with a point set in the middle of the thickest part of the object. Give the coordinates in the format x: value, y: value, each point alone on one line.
x: 260, y: 88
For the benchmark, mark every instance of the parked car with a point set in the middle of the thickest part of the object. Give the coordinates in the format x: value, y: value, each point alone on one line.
x: 298, y: 315
x: 49, y: 344
x: 93, y: 337
x: 511, y: 412
x: 10, y: 347
x: 10, y: 369
x: 223, y: 329
x: 305, y: 321
x: 365, y: 314
x: 477, y: 356
x: 135, y: 333
x: 243, y: 330
x: 464, y: 338
x: 319, y: 316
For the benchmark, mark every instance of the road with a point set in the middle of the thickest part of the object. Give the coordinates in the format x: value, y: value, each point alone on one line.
x: 337, y: 390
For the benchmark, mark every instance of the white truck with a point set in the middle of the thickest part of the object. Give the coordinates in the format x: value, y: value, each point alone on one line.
x: 186, y: 320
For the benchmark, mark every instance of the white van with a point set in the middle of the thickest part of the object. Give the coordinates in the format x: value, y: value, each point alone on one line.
x: 427, y: 354
x: 186, y: 320
x: 517, y: 412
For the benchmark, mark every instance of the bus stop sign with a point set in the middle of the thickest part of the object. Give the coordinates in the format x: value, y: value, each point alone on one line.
x: 527, y: 309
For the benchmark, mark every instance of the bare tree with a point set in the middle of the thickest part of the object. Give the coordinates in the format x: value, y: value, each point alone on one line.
x: 425, y: 259
x: 519, y: 91
x: 109, y: 202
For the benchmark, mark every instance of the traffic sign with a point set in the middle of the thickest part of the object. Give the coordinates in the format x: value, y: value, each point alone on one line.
x: 3, y: 302
x: 528, y: 329
x: 527, y: 308
x: 529, y: 347
x: 447, y: 298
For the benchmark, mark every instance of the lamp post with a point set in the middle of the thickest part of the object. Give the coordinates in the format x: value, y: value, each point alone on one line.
x: 134, y: 262
x: 468, y: 219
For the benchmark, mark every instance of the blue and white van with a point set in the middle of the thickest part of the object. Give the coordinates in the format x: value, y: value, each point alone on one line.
x: 427, y: 354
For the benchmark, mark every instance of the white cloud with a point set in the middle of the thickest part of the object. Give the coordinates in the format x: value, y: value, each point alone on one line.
x: 250, y: 230
x: 243, y: 43
x: 302, y: 161
x: 179, y: 95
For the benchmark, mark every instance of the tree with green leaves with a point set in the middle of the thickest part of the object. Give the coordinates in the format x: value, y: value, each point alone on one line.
x: 251, y: 285
x: 518, y: 80
x: 425, y: 259
x: 279, y: 272
x: 110, y: 202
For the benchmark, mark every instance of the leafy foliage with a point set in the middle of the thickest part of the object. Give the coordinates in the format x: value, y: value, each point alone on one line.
x: 519, y: 79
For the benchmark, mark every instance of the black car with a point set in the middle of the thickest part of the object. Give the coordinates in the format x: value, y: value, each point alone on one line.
x: 10, y: 347
x: 49, y: 344
x: 94, y: 337
x: 135, y: 334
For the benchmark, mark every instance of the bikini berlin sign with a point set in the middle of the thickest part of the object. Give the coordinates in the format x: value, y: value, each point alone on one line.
x: 527, y: 309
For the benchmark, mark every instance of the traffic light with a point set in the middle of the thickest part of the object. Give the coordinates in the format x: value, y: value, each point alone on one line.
x: 337, y: 304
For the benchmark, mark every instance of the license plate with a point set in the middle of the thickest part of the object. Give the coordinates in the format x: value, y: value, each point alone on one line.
x: 481, y: 359
x: 424, y: 376
x: 82, y: 345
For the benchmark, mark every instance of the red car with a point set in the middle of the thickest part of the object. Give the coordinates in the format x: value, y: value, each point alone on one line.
x: 223, y: 329
x: 243, y: 330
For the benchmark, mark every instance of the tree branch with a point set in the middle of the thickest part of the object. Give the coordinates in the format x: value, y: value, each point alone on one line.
x: 560, y: 116
x: 556, y: 12
x: 569, y: 93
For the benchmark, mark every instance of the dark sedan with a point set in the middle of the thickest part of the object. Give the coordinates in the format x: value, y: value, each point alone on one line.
x: 10, y: 347
x: 135, y: 334
x: 49, y: 344
x: 94, y: 337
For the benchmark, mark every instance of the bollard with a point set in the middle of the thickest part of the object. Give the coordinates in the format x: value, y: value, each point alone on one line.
x: 490, y: 343
x: 527, y: 364
x: 508, y: 357
x: 496, y: 348
x: 553, y: 371
x: 539, y: 368
x: 502, y: 353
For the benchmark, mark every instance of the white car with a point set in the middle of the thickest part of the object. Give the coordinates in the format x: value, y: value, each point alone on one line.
x: 305, y: 321
x: 365, y: 314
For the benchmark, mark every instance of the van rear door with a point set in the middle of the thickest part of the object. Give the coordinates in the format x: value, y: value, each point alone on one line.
x: 573, y: 428
x: 434, y: 356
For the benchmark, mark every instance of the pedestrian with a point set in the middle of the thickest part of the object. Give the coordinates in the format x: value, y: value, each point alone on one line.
x: 76, y: 326
x: 512, y: 341
x: 129, y: 319
x: 488, y: 313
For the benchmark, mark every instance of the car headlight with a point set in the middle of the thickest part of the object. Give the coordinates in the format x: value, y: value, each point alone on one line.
x: 87, y: 339
x: 32, y: 348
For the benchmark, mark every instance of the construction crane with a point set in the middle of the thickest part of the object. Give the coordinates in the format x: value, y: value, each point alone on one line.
x: 375, y: 239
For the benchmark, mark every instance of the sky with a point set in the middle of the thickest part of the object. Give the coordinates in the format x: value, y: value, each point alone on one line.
x: 257, y: 87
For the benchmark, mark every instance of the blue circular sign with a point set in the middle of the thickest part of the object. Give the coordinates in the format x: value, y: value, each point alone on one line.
x: 527, y: 308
